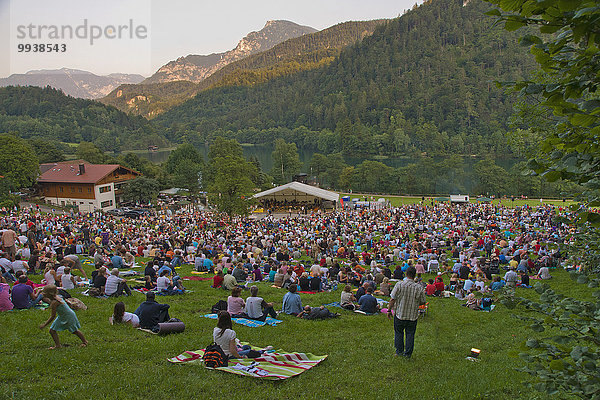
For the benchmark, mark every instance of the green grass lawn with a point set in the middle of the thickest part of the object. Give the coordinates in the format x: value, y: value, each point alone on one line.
x: 123, y: 363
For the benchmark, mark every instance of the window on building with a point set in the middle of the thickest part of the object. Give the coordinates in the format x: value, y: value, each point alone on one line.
x: 106, y: 203
x: 89, y: 190
x: 72, y: 189
x: 104, y: 189
x: 60, y: 189
x: 80, y: 189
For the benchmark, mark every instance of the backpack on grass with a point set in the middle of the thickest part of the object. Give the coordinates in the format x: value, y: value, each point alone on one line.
x: 220, y: 306
x: 214, y: 357
x: 486, y: 303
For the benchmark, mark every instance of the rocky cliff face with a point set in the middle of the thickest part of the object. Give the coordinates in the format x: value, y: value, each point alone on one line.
x: 195, y: 68
x: 72, y: 82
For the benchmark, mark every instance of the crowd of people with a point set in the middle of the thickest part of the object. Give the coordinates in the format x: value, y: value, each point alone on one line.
x: 465, y: 248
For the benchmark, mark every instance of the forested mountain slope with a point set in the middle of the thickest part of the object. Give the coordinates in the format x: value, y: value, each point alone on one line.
x: 47, y: 113
x: 306, y: 52
x: 424, y: 82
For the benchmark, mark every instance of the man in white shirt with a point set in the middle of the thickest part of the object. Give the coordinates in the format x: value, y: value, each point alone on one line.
x: 257, y: 308
x: 115, y: 285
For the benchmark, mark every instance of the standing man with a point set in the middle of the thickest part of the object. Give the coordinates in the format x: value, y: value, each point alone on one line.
x: 9, y: 238
x: 406, y: 297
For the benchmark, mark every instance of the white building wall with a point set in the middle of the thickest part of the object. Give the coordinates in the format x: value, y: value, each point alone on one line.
x: 85, y: 205
x: 105, y: 200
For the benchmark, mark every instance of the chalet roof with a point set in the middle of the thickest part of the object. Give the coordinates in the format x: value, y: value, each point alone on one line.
x: 293, y: 188
x: 68, y: 172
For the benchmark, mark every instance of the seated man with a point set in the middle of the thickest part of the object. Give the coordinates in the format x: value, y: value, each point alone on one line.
x: 239, y: 273
x: 361, y: 291
x: 316, y: 313
x: 152, y: 313
x: 115, y: 285
x: 315, y: 284
x: 117, y: 261
x: 257, y: 308
x: 22, y: 294
x: 544, y: 273
x: 229, y: 282
x: 292, y: 304
x: 368, y: 303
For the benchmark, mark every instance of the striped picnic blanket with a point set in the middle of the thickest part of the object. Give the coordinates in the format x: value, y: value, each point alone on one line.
x: 252, y: 323
x: 276, y: 365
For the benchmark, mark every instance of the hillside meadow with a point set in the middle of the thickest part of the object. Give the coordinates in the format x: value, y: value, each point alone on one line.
x: 123, y: 363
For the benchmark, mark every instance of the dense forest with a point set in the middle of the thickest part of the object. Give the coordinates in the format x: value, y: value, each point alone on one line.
x: 423, y: 82
x: 303, y: 53
x: 47, y: 113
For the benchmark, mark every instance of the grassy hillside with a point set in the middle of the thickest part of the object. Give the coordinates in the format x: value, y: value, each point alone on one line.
x: 360, y: 350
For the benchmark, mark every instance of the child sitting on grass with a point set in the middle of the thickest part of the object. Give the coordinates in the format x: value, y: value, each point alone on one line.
x: 66, y: 319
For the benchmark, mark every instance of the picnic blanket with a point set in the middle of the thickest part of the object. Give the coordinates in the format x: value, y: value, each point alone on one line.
x: 307, y: 292
x: 197, y: 278
x: 275, y: 365
x: 252, y: 323
x: 199, y: 272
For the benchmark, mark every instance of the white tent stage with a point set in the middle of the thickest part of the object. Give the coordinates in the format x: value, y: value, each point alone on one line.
x: 296, y: 192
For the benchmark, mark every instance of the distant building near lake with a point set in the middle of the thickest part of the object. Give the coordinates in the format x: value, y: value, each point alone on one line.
x: 90, y: 187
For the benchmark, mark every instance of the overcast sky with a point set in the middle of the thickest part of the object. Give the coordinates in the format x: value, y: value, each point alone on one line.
x: 174, y: 28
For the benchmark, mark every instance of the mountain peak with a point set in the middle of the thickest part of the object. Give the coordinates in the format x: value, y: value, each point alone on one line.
x: 195, y: 68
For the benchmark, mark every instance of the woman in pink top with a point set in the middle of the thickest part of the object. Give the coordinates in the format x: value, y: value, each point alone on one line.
x: 5, y: 303
x: 235, y: 304
x: 420, y: 267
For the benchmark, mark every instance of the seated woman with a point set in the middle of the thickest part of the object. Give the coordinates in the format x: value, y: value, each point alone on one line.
x: 235, y: 304
x: 68, y: 281
x: 50, y: 275
x: 278, y: 279
x: 225, y: 337
x: 121, y: 316
x: 257, y: 274
x: 128, y: 260
x: 304, y: 282
x: 218, y: 280
x: 272, y: 274
x: 164, y: 283
x: 343, y: 277
x: 453, y: 282
x: 347, y: 298
x: 385, y: 287
x: 292, y: 304
x: 473, y: 302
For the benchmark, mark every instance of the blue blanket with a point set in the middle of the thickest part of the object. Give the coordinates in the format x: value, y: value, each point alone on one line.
x: 252, y: 323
